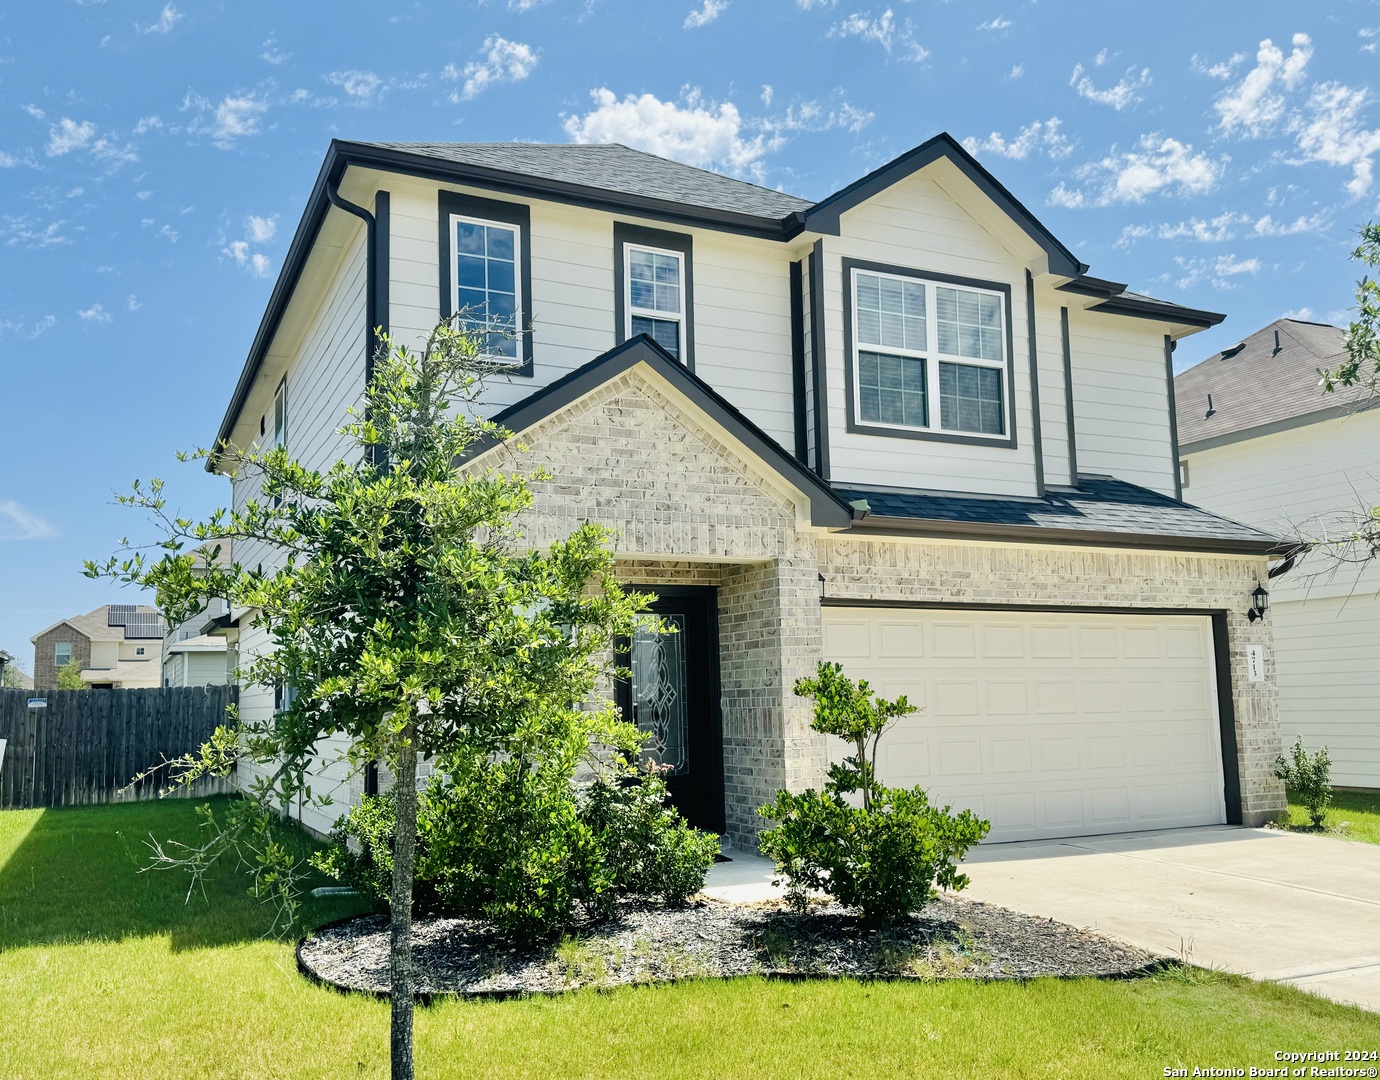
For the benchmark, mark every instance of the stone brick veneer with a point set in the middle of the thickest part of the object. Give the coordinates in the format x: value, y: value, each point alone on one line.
x: 690, y: 508
x: 45, y: 668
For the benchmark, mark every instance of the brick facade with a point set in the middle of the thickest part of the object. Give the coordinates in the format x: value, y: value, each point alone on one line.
x: 45, y: 669
x: 689, y: 507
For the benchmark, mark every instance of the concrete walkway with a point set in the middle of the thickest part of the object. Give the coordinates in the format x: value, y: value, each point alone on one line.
x: 1273, y: 905
x: 1260, y: 902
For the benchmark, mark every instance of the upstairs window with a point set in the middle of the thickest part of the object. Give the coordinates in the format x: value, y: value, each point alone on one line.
x: 656, y: 298
x: 486, y: 274
x: 280, y: 415
x: 654, y: 288
x: 928, y: 356
x: 487, y: 290
x: 62, y: 653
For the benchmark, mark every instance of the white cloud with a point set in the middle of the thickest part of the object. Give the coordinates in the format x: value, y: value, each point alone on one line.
x: 1254, y: 105
x: 1267, y: 226
x: 169, y: 234
x: 256, y: 262
x: 1218, y: 271
x: 132, y: 303
x: 7, y: 161
x: 705, y: 14
x: 167, y: 19
x: 1127, y: 91
x: 30, y: 332
x: 812, y: 116
x: 271, y: 53
x: 68, y: 135
x: 698, y: 132
x: 1041, y: 136
x: 1331, y: 131
x: 814, y: 5
x: 897, y: 38
x: 501, y: 61
x: 995, y: 24
x: 236, y: 118
x: 96, y: 314
x: 25, y: 232
x: 18, y: 523
x: 1223, y: 69
x: 1158, y: 165
x: 1016, y: 71
x: 522, y: 6
x: 34, y: 111
x: 767, y: 94
x: 1204, y: 230
x: 1303, y: 314
x: 261, y: 229
x: 363, y: 86
x: 147, y: 124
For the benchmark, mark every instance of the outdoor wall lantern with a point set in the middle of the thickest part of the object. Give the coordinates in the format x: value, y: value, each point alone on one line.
x: 1260, y: 600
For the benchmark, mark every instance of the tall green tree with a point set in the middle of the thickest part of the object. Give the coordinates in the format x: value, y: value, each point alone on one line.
x: 403, y: 611
x: 69, y: 677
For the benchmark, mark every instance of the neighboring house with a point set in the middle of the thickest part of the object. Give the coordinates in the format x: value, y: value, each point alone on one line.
x: 11, y: 674
x: 1262, y: 443
x: 118, y: 647
x: 195, y: 652
x: 900, y: 428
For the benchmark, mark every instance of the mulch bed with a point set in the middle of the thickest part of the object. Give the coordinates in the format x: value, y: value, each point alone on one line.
x: 952, y: 939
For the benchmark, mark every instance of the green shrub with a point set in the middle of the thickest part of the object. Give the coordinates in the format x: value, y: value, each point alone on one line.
x: 884, y: 856
x: 1308, y: 778
x: 521, y: 847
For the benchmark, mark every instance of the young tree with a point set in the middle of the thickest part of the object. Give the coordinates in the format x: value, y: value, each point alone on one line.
x: 69, y: 677
x: 11, y: 674
x: 404, y: 614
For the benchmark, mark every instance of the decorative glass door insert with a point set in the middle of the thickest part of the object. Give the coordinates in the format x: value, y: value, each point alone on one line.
x: 658, y: 693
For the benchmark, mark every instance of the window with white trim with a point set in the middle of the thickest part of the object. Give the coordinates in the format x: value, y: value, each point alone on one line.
x: 655, y: 295
x: 487, y: 282
x: 918, y: 342
x: 62, y: 653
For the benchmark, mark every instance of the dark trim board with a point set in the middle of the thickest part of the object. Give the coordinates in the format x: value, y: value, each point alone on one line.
x: 856, y: 427
x: 1173, y: 417
x: 640, y: 235
x: 1221, y: 656
x: 827, y: 509
x: 797, y: 285
x: 509, y: 213
x: 1068, y: 396
x: 1034, y: 385
x: 819, y: 359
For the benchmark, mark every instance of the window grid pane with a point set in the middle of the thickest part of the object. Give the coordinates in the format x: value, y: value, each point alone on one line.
x: 891, y: 312
x: 654, y: 281
x: 665, y: 332
x: 969, y: 323
x: 892, y: 389
x: 970, y: 399
x: 486, y: 283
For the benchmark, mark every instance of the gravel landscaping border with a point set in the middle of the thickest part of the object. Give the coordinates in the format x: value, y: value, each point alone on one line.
x: 953, y: 938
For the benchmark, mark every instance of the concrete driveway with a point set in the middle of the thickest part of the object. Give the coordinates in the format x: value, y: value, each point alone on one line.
x: 1261, y: 902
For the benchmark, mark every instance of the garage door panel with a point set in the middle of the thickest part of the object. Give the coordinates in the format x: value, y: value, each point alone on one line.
x: 846, y: 639
x: 1048, y: 724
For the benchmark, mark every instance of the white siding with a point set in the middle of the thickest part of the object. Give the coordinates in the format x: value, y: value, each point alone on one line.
x: 1326, y: 621
x: 1049, y: 349
x: 1121, y: 398
x: 741, y: 302
x: 917, y: 225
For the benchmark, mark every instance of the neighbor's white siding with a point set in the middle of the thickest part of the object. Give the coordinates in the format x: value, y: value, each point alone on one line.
x: 1121, y: 401
x: 1326, y: 618
x: 918, y: 225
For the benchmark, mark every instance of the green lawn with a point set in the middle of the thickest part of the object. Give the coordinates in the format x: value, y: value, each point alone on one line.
x: 1353, y: 814
x: 104, y: 972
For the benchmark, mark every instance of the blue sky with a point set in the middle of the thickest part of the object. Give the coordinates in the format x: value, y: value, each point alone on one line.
x: 155, y: 158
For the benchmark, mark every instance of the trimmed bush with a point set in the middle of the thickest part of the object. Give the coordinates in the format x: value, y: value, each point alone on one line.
x: 1309, y: 778
x: 885, y: 856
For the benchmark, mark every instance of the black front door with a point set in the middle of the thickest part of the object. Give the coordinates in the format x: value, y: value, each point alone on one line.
x: 673, y: 696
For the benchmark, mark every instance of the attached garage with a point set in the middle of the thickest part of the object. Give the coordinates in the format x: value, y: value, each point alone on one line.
x: 1048, y: 723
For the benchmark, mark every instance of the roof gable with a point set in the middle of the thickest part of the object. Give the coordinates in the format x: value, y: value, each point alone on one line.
x: 827, y: 509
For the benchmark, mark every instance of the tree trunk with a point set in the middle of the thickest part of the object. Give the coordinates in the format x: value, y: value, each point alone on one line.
x: 401, y: 978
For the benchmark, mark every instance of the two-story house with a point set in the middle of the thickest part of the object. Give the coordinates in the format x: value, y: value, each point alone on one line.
x: 195, y: 653
x: 118, y: 647
x: 1261, y: 442
x: 900, y: 428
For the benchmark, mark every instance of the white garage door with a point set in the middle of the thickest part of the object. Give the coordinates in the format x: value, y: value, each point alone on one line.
x: 1048, y: 724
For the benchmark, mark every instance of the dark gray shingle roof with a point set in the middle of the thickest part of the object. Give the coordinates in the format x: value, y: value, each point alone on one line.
x: 1271, y: 377
x: 1100, y: 506
x: 614, y: 167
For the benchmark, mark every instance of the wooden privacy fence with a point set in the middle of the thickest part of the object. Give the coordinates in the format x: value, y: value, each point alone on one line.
x: 86, y: 746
